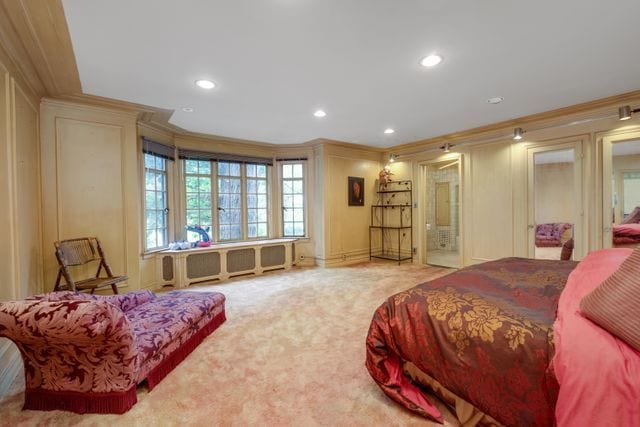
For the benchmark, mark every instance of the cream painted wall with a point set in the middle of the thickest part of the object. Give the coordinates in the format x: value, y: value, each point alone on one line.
x: 554, y: 193
x: 91, y: 187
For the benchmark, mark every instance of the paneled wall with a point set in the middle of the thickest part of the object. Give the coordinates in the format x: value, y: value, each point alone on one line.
x: 20, y: 206
x: 20, y: 216
x: 91, y: 183
x: 346, y: 228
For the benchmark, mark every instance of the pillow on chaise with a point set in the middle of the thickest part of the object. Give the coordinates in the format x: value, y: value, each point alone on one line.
x: 614, y: 304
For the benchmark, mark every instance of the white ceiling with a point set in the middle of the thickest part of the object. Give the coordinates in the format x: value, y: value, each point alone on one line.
x: 277, y: 61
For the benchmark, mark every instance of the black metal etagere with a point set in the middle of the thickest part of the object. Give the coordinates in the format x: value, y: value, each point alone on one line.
x: 392, y: 219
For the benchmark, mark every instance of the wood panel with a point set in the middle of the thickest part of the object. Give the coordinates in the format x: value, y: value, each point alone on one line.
x: 29, y: 218
x: 91, y: 186
x: 91, y: 183
x: 489, y: 212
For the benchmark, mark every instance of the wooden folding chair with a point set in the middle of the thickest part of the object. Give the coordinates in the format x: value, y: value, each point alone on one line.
x: 82, y: 251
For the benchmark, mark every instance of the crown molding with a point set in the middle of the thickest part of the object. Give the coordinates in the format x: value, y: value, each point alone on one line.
x: 35, y: 36
x: 575, y: 112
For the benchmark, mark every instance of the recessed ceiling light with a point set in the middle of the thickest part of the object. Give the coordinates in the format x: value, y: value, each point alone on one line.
x: 187, y: 109
x: 320, y: 113
x: 431, y: 60
x: 205, y: 84
x: 389, y: 131
x: 495, y: 100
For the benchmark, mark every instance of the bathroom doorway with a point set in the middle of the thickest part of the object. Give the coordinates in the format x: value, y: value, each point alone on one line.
x: 442, y: 214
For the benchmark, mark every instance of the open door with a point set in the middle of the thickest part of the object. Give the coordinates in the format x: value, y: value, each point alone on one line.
x: 442, y: 213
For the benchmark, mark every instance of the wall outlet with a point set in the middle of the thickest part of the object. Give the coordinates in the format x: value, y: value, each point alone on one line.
x: 301, y: 257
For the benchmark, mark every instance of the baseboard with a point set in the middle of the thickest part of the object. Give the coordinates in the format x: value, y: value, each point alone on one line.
x: 10, y: 365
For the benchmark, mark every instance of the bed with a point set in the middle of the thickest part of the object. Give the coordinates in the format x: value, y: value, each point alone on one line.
x: 482, y: 340
x: 626, y: 234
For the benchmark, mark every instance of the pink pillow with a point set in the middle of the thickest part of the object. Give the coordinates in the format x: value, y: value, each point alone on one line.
x: 613, y: 305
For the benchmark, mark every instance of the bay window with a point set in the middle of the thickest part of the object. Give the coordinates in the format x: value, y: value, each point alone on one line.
x: 293, y: 199
x: 229, y: 194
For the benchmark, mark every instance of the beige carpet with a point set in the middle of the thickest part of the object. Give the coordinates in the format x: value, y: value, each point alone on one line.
x: 291, y: 353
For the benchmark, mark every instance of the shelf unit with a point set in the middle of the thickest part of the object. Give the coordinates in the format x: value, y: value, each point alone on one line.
x: 392, y: 222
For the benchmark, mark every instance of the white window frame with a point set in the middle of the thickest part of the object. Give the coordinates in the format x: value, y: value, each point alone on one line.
x: 215, y: 233
x: 167, y: 197
x: 305, y: 194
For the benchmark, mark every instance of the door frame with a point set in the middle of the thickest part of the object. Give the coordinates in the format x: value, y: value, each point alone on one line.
x: 578, y: 187
x: 423, y: 201
x: 605, y: 146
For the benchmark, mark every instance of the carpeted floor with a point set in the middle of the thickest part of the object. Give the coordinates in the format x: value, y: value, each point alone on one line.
x: 291, y: 353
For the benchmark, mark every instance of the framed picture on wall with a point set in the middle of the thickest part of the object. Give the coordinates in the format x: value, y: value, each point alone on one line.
x: 356, y: 191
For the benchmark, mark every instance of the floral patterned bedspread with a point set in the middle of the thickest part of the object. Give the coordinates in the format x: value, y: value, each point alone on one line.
x: 484, y: 332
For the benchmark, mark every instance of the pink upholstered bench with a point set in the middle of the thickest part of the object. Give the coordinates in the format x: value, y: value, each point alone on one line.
x: 87, y: 353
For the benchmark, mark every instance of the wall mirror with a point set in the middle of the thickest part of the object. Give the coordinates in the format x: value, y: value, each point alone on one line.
x: 621, y: 193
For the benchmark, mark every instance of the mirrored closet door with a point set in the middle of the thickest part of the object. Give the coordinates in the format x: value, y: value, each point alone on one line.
x: 555, y: 200
x: 621, y: 193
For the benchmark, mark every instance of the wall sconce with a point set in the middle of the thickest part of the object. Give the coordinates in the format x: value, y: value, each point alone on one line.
x: 447, y: 147
x: 393, y: 157
x: 624, y: 113
x: 517, y: 133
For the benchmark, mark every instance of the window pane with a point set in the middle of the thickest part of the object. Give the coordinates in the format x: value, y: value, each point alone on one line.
x: 262, y: 230
x: 298, y: 229
x: 160, y: 163
x: 204, y: 167
x: 262, y: 201
x: 297, y: 187
x: 287, y: 201
x: 252, y: 230
x: 251, y: 170
x: 262, y: 186
x: 204, y: 184
x: 192, y: 217
x: 252, y: 201
x: 191, y: 183
x: 192, y: 200
x: 223, y: 168
x: 234, y: 201
x: 298, y: 201
x: 234, y: 169
x: 150, y: 200
x: 160, y: 200
x: 205, y: 200
x: 287, y: 187
x: 149, y: 161
x: 151, y: 239
x: 150, y: 182
x: 288, y: 215
x: 262, y: 171
x: 252, y: 215
x: 252, y: 186
x: 287, y: 171
x: 191, y: 166
x: 297, y: 171
x: 288, y: 229
x: 151, y: 220
x: 160, y: 223
x: 262, y: 215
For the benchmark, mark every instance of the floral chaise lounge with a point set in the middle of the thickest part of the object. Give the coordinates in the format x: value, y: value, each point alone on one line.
x: 87, y: 353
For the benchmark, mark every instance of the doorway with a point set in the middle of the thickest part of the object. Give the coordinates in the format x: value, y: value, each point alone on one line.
x: 555, y: 201
x: 442, y: 214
